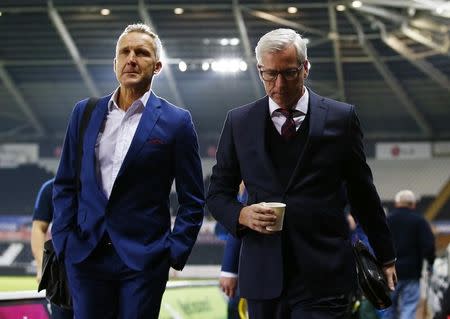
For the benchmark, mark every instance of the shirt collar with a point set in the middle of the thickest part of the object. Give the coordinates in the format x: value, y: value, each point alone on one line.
x: 112, y: 103
x: 302, y: 104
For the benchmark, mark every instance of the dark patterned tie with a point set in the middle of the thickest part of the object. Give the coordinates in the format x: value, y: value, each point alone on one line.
x: 288, y: 128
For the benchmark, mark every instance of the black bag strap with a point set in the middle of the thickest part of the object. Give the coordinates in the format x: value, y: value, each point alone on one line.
x: 91, y: 103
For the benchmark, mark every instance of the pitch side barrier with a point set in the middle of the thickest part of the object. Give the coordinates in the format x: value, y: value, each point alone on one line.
x: 184, y: 299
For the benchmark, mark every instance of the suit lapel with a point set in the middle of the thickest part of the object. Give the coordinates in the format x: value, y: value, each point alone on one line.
x: 146, y: 124
x: 90, y: 138
x: 318, y: 113
x: 259, y: 118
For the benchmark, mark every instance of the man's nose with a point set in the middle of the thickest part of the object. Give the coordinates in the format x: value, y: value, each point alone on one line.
x: 131, y: 59
x: 279, y: 81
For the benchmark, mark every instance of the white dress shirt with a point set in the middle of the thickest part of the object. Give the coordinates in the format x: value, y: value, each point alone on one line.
x: 278, y: 119
x: 114, y: 139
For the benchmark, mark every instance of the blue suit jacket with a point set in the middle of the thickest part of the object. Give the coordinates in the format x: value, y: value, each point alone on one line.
x: 230, y: 261
x: 136, y: 216
x: 315, y: 221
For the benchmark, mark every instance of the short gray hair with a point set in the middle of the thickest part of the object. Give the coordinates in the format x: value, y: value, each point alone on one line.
x: 143, y: 28
x: 278, y: 40
x: 405, y: 198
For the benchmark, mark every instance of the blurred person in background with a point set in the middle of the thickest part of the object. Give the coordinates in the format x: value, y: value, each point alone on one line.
x: 114, y: 233
x: 414, y: 243
x: 364, y: 309
x: 229, y: 274
x: 296, y: 147
x: 42, y: 217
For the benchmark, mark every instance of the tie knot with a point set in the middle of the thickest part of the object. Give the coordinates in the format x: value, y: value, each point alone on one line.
x: 287, y: 113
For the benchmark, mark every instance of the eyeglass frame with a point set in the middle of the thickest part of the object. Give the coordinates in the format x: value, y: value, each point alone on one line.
x: 297, y: 69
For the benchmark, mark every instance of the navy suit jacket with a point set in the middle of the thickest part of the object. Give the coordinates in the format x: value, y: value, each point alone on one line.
x: 333, y: 155
x: 413, y: 242
x: 136, y: 215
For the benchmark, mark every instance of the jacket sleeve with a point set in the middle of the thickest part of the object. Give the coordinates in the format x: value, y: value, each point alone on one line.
x: 230, y: 262
x: 363, y: 196
x: 427, y: 246
x: 190, y: 193
x: 65, y: 200
x: 225, y: 179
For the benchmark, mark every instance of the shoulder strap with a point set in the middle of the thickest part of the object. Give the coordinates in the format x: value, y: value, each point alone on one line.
x: 91, y: 103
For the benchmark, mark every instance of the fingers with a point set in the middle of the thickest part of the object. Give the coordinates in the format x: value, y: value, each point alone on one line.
x: 258, y: 217
x: 228, y: 286
x: 393, y: 281
x: 391, y: 276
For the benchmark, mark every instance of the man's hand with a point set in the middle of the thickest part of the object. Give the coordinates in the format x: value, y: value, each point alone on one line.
x: 391, y: 276
x: 38, y: 274
x: 257, y: 217
x: 228, y: 285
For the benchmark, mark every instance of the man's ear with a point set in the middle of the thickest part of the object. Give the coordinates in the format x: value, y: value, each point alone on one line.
x: 158, y: 67
x: 306, y: 67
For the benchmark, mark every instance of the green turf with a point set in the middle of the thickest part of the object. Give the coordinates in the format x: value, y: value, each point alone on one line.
x: 17, y: 283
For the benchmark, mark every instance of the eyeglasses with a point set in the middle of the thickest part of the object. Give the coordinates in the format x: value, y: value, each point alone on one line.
x: 272, y: 75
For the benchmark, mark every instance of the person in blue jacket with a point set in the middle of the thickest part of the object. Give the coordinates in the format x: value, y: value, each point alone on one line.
x: 42, y: 217
x: 229, y: 273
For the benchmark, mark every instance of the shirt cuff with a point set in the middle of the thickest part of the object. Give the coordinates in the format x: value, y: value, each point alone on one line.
x: 227, y: 274
x: 390, y: 263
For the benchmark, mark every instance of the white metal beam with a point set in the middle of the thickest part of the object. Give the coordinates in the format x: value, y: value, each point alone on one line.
x: 284, y: 22
x: 145, y: 16
x: 247, y: 49
x: 424, y: 66
x: 416, y: 35
x: 390, y: 79
x: 382, y: 12
x: 23, y: 105
x: 72, y: 48
x: 336, y: 50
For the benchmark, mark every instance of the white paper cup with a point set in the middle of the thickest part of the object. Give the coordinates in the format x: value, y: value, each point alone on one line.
x: 279, y: 209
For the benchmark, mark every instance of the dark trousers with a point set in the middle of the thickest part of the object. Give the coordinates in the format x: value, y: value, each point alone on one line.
x: 104, y: 287
x: 281, y: 308
x: 60, y: 313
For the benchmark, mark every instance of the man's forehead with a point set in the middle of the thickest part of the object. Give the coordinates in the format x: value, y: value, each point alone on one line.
x: 135, y: 39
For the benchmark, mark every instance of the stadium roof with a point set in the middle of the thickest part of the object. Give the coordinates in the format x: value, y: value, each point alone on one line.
x: 389, y: 58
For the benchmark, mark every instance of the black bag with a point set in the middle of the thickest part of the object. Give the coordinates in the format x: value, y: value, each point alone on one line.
x: 54, y: 278
x: 371, y: 277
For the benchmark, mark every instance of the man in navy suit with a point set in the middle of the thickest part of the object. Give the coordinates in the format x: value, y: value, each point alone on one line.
x: 114, y: 233
x: 299, y: 148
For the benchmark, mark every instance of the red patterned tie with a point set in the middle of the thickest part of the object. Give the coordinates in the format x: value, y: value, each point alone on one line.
x: 288, y: 128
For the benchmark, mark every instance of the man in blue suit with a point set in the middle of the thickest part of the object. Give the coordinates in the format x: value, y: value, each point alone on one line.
x: 299, y: 148
x: 114, y: 233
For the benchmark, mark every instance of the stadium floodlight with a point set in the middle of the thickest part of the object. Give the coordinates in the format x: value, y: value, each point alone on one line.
x: 182, y: 66
x: 292, y: 10
x: 205, y: 66
x: 234, y: 41
x: 340, y: 7
x: 228, y: 66
x: 105, y: 12
x: 356, y: 4
x: 178, y: 10
x: 243, y: 66
x: 224, y: 42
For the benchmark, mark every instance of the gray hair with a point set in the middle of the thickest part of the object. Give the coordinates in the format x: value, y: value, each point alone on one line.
x: 278, y: 40
x: 405, y: 198
x: 143, y: 28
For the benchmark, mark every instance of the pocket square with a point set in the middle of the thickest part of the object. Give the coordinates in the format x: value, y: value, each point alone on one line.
x: 156, y: 141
